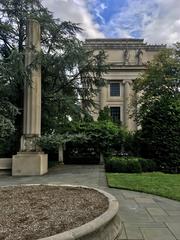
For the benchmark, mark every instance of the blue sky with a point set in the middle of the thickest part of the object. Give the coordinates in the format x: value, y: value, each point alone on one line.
x: 105, y: 9
x: 157, y: 21
x: 122, y: 16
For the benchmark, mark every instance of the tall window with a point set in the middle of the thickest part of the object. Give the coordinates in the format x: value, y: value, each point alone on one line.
x: 114, y: 89
x: 115, y: 114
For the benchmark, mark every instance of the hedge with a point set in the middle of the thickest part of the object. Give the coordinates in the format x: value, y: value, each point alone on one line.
x: 129, y: 165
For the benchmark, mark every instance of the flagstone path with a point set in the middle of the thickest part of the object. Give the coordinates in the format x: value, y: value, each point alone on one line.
x: 144, y: 216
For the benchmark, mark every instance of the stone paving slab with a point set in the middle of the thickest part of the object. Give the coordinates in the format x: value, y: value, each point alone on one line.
x: 131, y: 194
x: 144, y: 216
x: 128, y: 204
x: 146, y: 200
x: 168, y: 204
x: 138, y: 216
x: 133, y: 233
x: 123, y: 234
x: 157, y: 234
x: 156, y: 211
x: 167, y: 219
x: 145, y: 225
x: 175, y: 228
x: 173, y: 213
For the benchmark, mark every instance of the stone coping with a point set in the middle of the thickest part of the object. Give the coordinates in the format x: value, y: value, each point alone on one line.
x: 105, y: 227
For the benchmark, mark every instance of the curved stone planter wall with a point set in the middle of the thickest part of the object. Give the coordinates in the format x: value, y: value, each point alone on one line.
x: 105, y: 227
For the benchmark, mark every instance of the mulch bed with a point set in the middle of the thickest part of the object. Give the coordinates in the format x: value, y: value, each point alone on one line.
x: 33, y: 212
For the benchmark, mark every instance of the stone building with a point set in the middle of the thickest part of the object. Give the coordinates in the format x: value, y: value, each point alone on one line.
x: 128, y: 58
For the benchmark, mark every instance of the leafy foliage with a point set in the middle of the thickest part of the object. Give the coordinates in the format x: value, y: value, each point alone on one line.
x: 161, y: 80
x: 84, y: 141
x: 129, y: 165
x: 100, y: 134
x: 121, y: 164
x: 104, y: 114
x: 158, y: 112
x: 7, y: 109
x: 70, y: 73
x: 161, y: 134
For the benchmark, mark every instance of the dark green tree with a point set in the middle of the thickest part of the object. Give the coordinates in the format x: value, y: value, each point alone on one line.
x: 161, y: 80
x: 158, y: 109
x: 160, y: 133
x: 71, y: 74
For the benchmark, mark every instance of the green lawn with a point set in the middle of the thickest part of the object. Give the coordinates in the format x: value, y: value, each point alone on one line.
x: 166, y: 185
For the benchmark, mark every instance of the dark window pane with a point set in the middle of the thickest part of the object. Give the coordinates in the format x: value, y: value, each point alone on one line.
x: 115, y: 114
x: 114, y: 89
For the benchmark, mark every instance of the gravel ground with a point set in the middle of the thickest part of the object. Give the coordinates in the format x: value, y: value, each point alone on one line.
x: 33, y: 212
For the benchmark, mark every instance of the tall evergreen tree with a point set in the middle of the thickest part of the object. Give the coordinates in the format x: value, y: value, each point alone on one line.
x: 70, y: 73
x: 158, y: 112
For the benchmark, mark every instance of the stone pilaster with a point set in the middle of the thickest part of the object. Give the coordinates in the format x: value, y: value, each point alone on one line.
x: 127, y: 95
x: 102, y: 97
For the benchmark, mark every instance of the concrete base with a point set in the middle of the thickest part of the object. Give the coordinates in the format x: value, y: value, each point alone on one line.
x: 29, y: 164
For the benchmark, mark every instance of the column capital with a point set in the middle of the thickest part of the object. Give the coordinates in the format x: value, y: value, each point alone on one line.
x: 127, y: 81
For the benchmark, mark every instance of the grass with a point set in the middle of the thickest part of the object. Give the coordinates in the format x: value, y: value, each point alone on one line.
x: 165, y: 185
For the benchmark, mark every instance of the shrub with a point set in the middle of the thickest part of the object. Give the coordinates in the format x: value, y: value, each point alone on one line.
x: 85, y: 140
x: 133, y: 144
x: 123, y: 164
x: 133, y: 166
x: 129, y: 165
x: 148, y: 165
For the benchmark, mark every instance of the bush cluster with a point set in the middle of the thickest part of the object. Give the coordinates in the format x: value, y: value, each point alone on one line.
x: 85, y: 141
x: 129, y: 165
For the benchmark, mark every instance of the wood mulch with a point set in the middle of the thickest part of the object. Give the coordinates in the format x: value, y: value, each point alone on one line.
x: 33, y: 212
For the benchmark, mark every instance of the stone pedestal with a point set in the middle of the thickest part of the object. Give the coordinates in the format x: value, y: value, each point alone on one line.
x: 29, y: 164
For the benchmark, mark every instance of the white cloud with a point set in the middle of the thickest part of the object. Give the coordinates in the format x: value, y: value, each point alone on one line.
x: 165, y: 27
x: 157, y: 21
x: 98, y: 8
x: 131, y: 19
x: 75, y: 11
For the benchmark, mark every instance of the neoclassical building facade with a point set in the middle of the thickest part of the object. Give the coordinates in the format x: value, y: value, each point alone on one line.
x: 128, y: 59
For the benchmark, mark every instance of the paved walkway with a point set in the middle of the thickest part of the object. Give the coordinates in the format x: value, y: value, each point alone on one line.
x: 144, y: 216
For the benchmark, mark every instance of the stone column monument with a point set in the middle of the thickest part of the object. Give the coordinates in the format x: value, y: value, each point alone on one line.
x: 30, y: 160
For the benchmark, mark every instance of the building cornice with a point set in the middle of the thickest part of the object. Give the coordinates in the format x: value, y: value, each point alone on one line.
x: 127, y: 67
x: 122, y: 44
x: 115, y: 40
